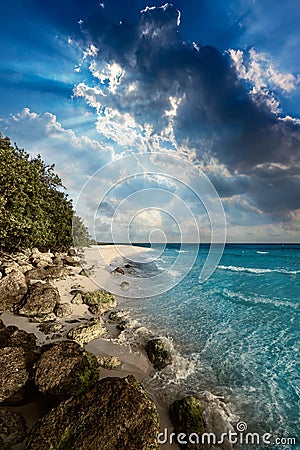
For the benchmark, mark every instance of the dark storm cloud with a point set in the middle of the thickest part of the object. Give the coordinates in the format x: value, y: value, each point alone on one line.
x: 217, y: 116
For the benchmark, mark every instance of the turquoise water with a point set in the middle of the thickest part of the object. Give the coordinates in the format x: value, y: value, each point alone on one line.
x: 240, y: 331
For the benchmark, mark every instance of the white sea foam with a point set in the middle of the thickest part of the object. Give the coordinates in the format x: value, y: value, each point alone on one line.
x: 258, y: 270
x: 259, y: 300
x: 262, y: 253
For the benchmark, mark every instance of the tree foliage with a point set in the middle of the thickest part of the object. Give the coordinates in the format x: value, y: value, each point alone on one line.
x: 34, y: 210
x: 80, y: 233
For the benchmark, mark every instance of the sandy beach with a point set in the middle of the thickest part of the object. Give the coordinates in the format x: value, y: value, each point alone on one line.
x: 134, y: 361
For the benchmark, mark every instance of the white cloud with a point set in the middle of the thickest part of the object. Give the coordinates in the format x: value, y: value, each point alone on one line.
x: 258, y: 69
x: 90, y: 51
x: 75, y: 157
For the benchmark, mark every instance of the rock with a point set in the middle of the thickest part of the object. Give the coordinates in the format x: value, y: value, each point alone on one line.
x: 116, y: 316
x: 36, y: 274
x: 62, y: 310
x: 4, y: 445
x: 108, y: 362
x: 50, y: 328
x: 12, y: 427
x: 125, y: 285
x: 17, y: 355
x: 41, y: 259
x: 72, y: 261
x: 118, y: 270
x: 99, y: 301
x: 11, y: 336
x: 58, y: 272
x: 64, y: 369
x: 187, y: 416
x: 13, y: 287
x: 115, y: 414
x: 158, y: 354
x: 77, y: 299
x: 85, y: 272
x: 43, y: 273
x: 41, y: 300
x: 72, y: 252
x: 44, y: 318
x: 14, y: 374
x: 122, y: 325
x: 87, y: 332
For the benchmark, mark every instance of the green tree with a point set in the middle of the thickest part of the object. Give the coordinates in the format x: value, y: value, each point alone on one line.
x: 34, y: 210
x: 80, y: 233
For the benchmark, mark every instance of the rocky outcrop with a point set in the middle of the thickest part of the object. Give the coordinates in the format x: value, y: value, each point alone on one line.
x: 40, y: 301
x: 187, y: 416
x: 40, y: 259
x: 87, y: 332
x: 18, y: 353
x: 13, y: 287
x: 64, y: 369
x: 14, y: 375
x: 158, y: 354
x: 12, y: 427
x: 45, y: 273
x: 11, y: 336
x: 114, y: 414
x: 99, y: 301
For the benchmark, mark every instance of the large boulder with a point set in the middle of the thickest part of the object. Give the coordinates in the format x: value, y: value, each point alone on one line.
x: 115, y: 414
x: 14, y: 375
x: 99, y: 301
x: 65, y: 369
x: 44, y: 273
x: 12, y: 427
x: 87, y: 332
x: 159, y: 355
x: 18, y: 353
x: 13, y: 287
x: 187, y: 416
x: 41, y: 300
x: 11, y: 336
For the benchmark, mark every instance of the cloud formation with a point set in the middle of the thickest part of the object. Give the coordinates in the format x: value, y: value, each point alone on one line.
x: 152, y: 90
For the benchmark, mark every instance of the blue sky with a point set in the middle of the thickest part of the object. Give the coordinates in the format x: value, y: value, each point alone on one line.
x: 216, y: 83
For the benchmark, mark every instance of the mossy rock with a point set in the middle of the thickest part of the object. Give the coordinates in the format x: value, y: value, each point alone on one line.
x: 99, y: 301
x: 82, y: 334
x: 114, y: 414
x: 158, y: 354
x: 65, y: 369
x: 187, y: 416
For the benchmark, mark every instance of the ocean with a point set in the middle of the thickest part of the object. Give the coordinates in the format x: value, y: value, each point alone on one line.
x: 235, y: 336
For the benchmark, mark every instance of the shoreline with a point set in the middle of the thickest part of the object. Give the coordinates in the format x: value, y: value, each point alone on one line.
x: 127, y: 345
x: 134, y: 359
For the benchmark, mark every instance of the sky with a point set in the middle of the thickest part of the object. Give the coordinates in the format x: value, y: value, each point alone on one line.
x: 153, y: 100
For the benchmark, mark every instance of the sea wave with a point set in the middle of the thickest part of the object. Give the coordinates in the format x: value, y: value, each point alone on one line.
x: 262, y: 253
x: 258, y: 270
x: 258, y: 300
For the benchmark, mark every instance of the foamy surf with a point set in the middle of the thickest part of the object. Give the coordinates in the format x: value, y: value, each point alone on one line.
x: 258, y: 270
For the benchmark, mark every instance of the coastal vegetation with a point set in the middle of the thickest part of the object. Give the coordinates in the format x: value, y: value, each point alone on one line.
x: 35, y: 211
